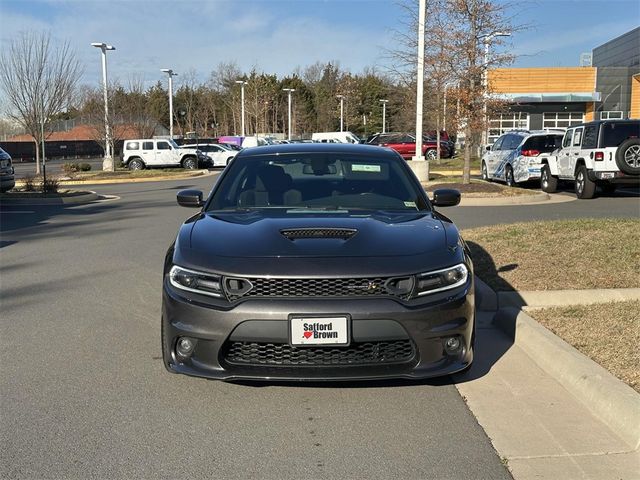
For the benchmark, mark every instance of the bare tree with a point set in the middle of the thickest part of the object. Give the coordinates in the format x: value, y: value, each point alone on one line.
x: 39, y: 81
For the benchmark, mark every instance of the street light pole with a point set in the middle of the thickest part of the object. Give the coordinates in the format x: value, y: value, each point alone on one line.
x: 384, y: 115
x: 171, y: 74
x: 107, y: 163
x: 242, y: 84
x: 341, y: 97
x: 485, y: 80
x: 419, y: 166
x: 289, y: 91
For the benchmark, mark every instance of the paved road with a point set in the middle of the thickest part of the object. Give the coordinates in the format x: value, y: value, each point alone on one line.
x: 53, y: 166
x: 84, y: 394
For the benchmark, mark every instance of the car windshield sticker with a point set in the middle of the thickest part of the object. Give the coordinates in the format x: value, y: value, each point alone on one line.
x: 365, y: 168
x: 409, y: 204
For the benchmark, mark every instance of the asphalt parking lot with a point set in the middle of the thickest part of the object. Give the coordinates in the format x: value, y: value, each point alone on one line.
x: 85, y: 395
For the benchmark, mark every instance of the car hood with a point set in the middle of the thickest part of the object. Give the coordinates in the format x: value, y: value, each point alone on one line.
x: 252, y: 235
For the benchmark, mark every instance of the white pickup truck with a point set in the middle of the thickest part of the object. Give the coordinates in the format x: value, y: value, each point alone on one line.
x: 139, y: 154
x: 604, y: 153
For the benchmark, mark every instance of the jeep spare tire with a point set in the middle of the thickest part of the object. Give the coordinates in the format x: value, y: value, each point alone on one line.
x: 628, y: 156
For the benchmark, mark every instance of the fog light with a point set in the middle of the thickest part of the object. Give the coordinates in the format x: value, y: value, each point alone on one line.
x: 452, y: 345
x: 185, y: 347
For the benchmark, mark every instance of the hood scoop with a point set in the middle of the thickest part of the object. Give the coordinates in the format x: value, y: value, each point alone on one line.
x: 300, y: 233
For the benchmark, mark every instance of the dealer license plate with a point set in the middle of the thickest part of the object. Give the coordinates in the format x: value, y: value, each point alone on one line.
x: 319, y: 330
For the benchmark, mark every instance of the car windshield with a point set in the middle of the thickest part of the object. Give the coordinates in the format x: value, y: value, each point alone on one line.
x: 317, y: 182
x: 613, y: 134
x: 543, y: 143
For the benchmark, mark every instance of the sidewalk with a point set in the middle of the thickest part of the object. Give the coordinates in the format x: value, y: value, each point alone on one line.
x: 540, y: 428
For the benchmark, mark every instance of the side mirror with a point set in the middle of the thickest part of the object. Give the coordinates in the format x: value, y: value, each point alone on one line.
x: 488, y: 148
x: 446, y: 197
x: 190, y: 198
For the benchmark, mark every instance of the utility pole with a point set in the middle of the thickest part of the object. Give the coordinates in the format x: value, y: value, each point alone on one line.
x: 384, y: 115
x: 242, y: 84
x: 341, y: 97
x: 419, y: 166
x: 107, y: 163
x: 289, y: 91
x: 171, y: 74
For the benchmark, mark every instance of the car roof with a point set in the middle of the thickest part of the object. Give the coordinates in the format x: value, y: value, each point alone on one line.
x: 344, y: 148
x: 598, y: 122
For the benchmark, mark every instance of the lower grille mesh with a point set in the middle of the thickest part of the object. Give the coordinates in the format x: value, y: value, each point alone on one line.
x: 255, y: 353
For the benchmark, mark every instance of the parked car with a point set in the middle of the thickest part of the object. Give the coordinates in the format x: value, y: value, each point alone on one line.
x: 335, y: 137
x: 318, y: 262
x: 604, y: 153
x: 143, y: 153
x: 218, y: 155
x: 7, y: 173
x: 516, y: 156
x: 405, y: 145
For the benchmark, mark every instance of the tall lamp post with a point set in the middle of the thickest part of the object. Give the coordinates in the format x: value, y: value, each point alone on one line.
x: 171, y: 74
x: 485, y: 79
x: 419, y: 166
x: 107, y: 162
x: 289, y: 91
x: 242, y: 84
x: 341, y: 97
x: 384, y: 115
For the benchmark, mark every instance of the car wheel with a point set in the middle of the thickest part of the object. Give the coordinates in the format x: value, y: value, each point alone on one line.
x: 190, y: 163
x: 136, y: 164
x: 548, y: 183
x: 485, y: 174
x: 585, y: 188
x: 508, y: 176
x: 431, y: 154
x: 628, y: 156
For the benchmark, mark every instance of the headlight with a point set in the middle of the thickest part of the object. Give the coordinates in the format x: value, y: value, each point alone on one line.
x: 198, y: 282
x: 444, y: 279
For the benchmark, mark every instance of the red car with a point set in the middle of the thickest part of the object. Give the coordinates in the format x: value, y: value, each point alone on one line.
x: 405, y: 145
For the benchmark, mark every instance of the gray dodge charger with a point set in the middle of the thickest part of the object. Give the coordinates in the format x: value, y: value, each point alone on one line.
x: 318, y: 262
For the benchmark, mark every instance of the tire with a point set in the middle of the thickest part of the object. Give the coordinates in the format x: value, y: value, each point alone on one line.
x: 628, y: 156
x: 485, y: 174
x: 190, y: 163
x: 585, y: 188
x: 136, y: 164
x: 431, y: 154
x: 548, y: 183
x: 508, y: 176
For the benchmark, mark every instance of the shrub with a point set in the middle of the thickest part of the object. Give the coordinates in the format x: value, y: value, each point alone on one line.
x: 29, y: 183
x: 50, y: 185
x: 70, y: 168
x: 84, y: 167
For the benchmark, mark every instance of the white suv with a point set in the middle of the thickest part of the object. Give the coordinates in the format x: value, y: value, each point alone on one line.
x: 217, y: 155
x: 602, y: 153
x: 139, y: 154
x: 515, y: 157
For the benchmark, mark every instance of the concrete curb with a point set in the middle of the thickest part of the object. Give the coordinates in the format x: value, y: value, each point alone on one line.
x: 84, y: 197
x: 607, y: 397
x: 469, y: 201
x: 555, y: 298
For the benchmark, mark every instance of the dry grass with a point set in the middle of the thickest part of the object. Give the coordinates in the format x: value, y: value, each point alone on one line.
x: 560, y: 254
x: 607, y: 333
x: 147, y: 173
x: 479, y: 188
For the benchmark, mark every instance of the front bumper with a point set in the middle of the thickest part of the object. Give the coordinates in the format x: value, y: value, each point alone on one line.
x: 373, y: 321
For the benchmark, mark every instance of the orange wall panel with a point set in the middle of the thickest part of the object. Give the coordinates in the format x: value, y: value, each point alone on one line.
x: 543, y: 80
x: 635, y: 97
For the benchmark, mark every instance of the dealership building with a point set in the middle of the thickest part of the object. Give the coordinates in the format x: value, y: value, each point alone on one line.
x: 539, y: 98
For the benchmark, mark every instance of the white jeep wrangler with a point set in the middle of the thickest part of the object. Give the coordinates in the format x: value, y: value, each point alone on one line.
x: 603, y: 153
x: 139, y: 154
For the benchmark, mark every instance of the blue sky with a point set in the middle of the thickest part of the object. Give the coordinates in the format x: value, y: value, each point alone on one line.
x: 278, y: 36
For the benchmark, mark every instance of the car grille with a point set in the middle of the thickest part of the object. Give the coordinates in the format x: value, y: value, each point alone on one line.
x: 297, y: 233
x: 322, y: 287
x: 362, y: 353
